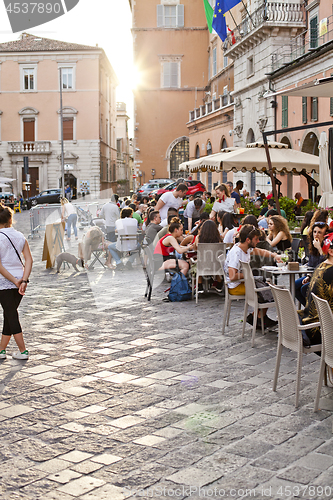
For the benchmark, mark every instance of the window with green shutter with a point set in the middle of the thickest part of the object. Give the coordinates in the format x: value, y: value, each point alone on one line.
x: 284, y: 111
x: 314, y: 32
x: 331, y: 106
x: 314, y: 109
x: 304, y: 109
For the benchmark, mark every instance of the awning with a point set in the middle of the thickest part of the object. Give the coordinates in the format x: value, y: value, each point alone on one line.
x: 316, y: 88
x: 200, y: 165
x: 253, y: 158
x: 6, y: 179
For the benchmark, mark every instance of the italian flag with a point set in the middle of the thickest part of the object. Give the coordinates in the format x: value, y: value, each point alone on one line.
x: 209, y: 11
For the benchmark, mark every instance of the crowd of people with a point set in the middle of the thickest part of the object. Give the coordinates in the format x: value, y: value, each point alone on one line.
x: 173, y: 226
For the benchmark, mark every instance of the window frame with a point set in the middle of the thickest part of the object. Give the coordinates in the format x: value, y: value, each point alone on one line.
x: 68, y: 112
x: 67, y: 66
x: 170, y: 61
x: 23, y: 68
x: 284, y: 112
x: 214, y: 61
x: 161, y: 15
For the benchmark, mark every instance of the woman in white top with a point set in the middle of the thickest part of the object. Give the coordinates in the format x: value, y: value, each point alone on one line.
x: 13, y: 281
x: 68, y: 213
x: 224, y: 202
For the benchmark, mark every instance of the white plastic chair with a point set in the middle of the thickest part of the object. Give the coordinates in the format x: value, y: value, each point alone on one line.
x: 251, y: 299
x: 227, y: 297
x: 207, y: 262
x: 326, y: 326
x: 290, y: 334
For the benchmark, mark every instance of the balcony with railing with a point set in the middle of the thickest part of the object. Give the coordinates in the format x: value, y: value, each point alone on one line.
x: 28, y: 148
x: 269, y: 13
x: 219, y: 103
x: 306, y: 42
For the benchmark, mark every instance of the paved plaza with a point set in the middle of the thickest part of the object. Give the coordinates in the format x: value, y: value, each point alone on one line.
x: 122, y: 398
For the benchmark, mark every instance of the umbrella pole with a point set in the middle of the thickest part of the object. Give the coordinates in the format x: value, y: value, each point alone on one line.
x: 276, y: 198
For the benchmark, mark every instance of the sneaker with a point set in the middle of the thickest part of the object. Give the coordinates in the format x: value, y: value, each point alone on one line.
x: 269, y: 323
x: 3, y: 354
x: 20, y: 355
x: 128, y: 265
x: 200, y: 288
x: 249, y: 319
x: 217, y: 286
x: 120, y: 267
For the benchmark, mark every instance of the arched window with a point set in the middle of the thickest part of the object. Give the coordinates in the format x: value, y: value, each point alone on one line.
x: 250, y: 136
x: 197, y: 151
x: 209, y: 148
x: 179, y: 154
x: 310, y: 144
x: 223, y: 143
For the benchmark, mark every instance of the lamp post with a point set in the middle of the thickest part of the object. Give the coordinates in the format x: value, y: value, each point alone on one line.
x: 62, y: 139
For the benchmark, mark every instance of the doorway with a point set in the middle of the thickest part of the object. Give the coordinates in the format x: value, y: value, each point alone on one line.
x: 72, y: 181
x: 34, y: 179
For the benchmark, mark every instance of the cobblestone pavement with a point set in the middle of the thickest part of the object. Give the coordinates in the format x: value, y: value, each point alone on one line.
x: 127, y: 399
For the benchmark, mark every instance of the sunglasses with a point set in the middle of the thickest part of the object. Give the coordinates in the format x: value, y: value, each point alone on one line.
x: 320, y: 224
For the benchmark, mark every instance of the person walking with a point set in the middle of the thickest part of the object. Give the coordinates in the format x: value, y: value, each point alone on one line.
x: 68, y: 214
x: 14, y: 278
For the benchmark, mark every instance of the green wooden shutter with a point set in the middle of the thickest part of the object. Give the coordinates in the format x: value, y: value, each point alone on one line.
x: 160, y: 16
x: 314, y: 33
x: 284, y: 111
x: 331, y: 106
x: 304, y: 109
x: 314, y: 109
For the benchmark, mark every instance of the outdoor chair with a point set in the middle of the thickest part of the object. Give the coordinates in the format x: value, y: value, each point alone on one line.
x: 150, y: 264
x: 326, y: 327
x: 295, y: 244
x: 251, y: 299
x: 227, y: 297
x: 290, y: 334
x: 96, y: 257
x: 207, y: 263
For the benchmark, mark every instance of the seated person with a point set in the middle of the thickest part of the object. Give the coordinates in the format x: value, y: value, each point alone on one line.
x: 320, y: 285
x: 172, y: 212
x: 306, y: 222
x: 241, y: 252
x: 192, y: 212
x: 168, y: 244
x: 224, y: 202
x: 263, y: 222
x: 229, y: 222
x: 317, y: 233
x: 153, y: 227
x: 219, y: 219
x: 279, y: 235
x: 126, y: 225
x: 91, y: 242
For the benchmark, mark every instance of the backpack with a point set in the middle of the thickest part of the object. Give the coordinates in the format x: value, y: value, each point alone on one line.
x: 179, y: 289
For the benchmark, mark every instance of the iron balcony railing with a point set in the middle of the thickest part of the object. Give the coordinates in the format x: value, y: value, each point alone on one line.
x: 37, y: 147
x: 306, y: 42
x: 268, y: 12
x: 220, y: 102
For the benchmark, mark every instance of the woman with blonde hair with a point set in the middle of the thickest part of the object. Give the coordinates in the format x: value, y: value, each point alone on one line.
x: 68, y: 214
x: 279, y: 235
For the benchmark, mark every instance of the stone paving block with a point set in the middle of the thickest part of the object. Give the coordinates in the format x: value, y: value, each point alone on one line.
x: 127, y: 421
x: 163, y: 374
x: 316, y: 461
x: 53, y: 465
x: 106, y: 459
x: 142, y: 381
x: 149, y: 440
x: 76, y: 456
x: 15, y: 411
x: 120, y: 378
x: 299, y: 474
x: 193, y: 476
x: 64, y: 476
x: 107, y: 492
x: 86, y: 467
x: 80, y: 486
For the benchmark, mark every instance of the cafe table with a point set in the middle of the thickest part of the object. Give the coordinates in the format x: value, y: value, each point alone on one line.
x: 284, y: 271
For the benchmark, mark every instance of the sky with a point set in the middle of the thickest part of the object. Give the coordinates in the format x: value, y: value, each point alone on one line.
x: 103, y: 22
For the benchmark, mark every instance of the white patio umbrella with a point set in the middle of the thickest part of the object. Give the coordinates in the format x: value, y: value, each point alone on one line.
x: 200, y: 164
x: 326, y: 199
x: 6, y: 179
x: 3, y: 185
x: 253, y: 158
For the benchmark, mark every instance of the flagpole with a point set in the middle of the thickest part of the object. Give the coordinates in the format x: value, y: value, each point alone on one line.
x: 236, y: 25
x: 248, y: 13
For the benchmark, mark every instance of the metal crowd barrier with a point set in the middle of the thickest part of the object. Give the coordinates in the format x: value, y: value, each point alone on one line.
x: 41, y: 215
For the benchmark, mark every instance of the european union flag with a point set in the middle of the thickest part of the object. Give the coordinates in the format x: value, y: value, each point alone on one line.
x: 229, y: 4
x: 219, y: 24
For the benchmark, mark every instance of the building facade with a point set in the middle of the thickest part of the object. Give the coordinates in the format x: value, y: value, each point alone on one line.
x: 308, y: 57
x: 124, y: 157
x: 261, y: 30
x: 170, y: 40
x: 30, y: 115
